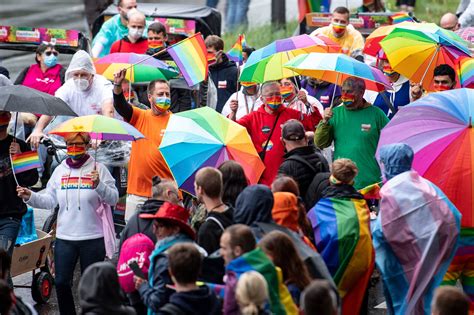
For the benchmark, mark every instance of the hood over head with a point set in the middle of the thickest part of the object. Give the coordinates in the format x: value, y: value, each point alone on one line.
x: 254, y: 204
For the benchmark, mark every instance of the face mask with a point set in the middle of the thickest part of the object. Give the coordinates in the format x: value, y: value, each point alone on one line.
x: 50, y: 61
x: 338, y: 28
x: 76, y: 151
x: 287, y: 92
x: 135, y: 33
x: 347, y: 98
x: 156, y: 44
x: 211, y: 59
x: 273, y: 102
x: 162, y: 103
x: 81, y: 84
x: 442, y: 87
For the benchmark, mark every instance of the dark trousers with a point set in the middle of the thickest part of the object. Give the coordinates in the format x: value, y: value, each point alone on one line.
x: 66, y: 254
x: 9, y: 228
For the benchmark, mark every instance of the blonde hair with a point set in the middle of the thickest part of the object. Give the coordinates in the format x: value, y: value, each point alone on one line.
x: 251, y: 293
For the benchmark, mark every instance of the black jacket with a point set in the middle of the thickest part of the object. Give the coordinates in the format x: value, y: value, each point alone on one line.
x: 136, y: 225
x: 197, y: 302
x: 301, y: 172
x: 341, y: 191
x: 224, y: 73
x: 10, y: 204
x: 210, y: 232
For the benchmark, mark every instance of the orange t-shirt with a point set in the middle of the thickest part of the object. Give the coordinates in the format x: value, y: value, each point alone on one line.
x: 146, y: 160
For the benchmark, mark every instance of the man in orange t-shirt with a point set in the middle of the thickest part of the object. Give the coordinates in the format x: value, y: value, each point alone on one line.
x: 146, y: 160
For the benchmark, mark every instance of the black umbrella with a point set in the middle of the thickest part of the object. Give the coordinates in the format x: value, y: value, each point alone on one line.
x: 20, y: 98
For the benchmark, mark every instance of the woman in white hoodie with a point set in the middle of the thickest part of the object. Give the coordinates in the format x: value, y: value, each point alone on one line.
x: 80, y: 186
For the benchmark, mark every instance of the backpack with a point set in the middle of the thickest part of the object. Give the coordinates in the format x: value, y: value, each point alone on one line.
x: 317, y: 184
x: 137, y: 248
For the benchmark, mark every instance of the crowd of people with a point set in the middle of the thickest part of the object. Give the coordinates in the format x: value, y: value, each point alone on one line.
x: 304, y: 240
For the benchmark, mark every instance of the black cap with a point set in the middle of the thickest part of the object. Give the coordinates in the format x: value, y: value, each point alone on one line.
x: 293, y: 130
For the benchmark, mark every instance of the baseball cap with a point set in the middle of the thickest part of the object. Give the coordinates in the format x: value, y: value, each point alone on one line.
x: 293, y: 130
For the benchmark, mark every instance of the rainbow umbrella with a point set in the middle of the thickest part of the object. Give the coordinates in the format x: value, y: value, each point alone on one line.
x: 141, y: 68
x: 99, y: 128
x: 266, y: 64
x: 415, y: 53
x: 203, y: 137
x: 439, y: 129
x: 335, y: 68
x: 466, y: 72
x: 372, y: 42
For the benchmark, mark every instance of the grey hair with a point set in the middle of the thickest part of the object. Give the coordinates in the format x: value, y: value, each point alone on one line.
x: 265, y: 84
x: 159, y: 189
x: 357, y: 84
x: 136, y: 12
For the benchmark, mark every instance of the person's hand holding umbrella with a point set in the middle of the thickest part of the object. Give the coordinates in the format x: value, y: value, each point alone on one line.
x: 119, y: 76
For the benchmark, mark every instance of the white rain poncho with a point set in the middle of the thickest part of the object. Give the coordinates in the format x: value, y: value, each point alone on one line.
x: 81, y: 60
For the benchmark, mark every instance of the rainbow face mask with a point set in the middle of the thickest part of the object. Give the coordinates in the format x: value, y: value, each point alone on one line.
x: 339, y: 28
x: 273, y: 102
x: 442, y: 87
x: 156, y: 44
x: 162, y: 103
x: 347, y: 98
x: 387, y: 70
x: 76, y: 151
x: 287, y: 92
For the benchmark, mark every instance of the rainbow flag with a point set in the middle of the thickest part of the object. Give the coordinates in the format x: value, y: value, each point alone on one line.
x: 235, y: 53
x: 308, y: 6
x: 190, y: 56
x: 25, y: 161
x: 466, y: 72
x: 371, y: 191
x: 342, y: 236
x: 400, y: 17
x: 415, y: 239
x: 280, y: 298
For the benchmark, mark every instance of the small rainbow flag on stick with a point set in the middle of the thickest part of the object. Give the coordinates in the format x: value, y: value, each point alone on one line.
x: 235, y: 53
x: 25, y: 161
x: 400, y: 17
x: 190, y: 56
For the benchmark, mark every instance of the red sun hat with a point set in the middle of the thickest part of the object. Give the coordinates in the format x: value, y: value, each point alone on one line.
x: 174, y: 214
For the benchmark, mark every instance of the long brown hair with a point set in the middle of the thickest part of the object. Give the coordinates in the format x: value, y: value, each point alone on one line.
x: 281, y: 249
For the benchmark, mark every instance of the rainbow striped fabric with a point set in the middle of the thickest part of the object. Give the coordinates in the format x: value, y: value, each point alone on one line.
x: 235, y: 53
x: 371, y: 191
x: 401, y: 17
x: 415, y: 238
x: 190, y: 56
x: 25, y: 161
x: 280, y: 299
x: 84, y: 182
x: 308, y: 6
x: 342, y: 236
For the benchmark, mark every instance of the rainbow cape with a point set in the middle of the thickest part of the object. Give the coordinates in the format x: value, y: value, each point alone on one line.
x: 466, y: 72
x: 235, y: 53
x: 280, y: 298
x: 415, y: 238
x: 342, y: 236
x: 25, y: 161
x: 190, y: 56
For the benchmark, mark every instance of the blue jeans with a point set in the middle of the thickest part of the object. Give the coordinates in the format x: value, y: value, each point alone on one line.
x: 66, y: 254
x: 237, y: 13
x: 9, y: 228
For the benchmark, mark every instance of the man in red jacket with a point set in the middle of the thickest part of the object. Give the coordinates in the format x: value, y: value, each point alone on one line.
x: 264, y: 127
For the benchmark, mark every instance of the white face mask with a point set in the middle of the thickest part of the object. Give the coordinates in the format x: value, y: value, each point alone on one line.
x: 135, y: 33
x: 81, y: 84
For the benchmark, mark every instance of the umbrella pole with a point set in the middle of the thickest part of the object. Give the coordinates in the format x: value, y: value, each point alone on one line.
x: 129, y: 89
x: 95, y: 155
x: 334, y: 91
x: 429, y: 65
x: 14, y: 129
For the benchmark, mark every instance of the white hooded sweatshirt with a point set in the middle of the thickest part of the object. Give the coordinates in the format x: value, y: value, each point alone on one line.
x: 71, y: 188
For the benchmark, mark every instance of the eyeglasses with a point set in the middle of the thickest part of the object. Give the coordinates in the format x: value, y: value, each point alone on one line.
x: 48, y: 53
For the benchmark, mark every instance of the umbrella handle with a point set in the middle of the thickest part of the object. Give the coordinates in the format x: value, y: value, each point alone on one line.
x: 334, y: 92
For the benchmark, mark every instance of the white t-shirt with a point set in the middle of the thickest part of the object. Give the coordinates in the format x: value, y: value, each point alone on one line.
x: 252, y: 104
x: 90, y: 101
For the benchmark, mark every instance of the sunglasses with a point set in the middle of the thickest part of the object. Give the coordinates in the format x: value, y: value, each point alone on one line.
x: 48, y: 53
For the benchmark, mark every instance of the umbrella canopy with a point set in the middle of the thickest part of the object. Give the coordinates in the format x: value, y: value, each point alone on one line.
x: 99, y: 127
x: 335, y: 68
x: 415, y: 53
x: 466, y: 72
x: 372, y: 42
x: 266, y: 64
x: 143, y: 68
x: 203, y: 137
x: 19, y: 98
x: 438, y: 127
